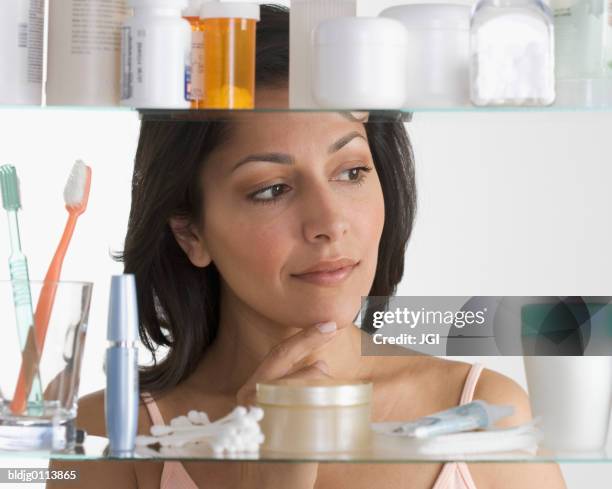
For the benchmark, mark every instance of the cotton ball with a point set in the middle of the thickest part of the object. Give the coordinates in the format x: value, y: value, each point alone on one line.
x: 256, y: 413
x: 160, y: 430
x: 251, y: 447
x: 239, y: 412
x: 217, y: 448
x: 180, y: 421
x: 198, y: 417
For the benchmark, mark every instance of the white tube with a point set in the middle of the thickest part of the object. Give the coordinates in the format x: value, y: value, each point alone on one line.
x: 472, y: 416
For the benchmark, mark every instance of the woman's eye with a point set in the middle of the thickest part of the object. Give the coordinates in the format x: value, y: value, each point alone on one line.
x: 273, y: 193
x: 356, y: 174
x: 269, y: 194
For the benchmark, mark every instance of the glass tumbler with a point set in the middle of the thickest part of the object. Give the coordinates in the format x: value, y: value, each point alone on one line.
x: 41, y: 365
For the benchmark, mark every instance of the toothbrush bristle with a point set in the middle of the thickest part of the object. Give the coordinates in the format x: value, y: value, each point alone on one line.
x: 10, y: 188
x: 74, y: 191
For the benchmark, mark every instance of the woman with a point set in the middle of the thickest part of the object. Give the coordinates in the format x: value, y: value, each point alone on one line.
x: 252, y: 241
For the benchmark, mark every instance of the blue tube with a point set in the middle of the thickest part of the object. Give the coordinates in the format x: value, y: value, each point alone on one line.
x: 121, y: 396
x: 472, y: 416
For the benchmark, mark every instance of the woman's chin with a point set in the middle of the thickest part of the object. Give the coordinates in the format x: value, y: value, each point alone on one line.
x: 343, y: 317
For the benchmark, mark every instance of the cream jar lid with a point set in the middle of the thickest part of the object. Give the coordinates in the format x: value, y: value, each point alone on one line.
x: 360, y: 31
x: 431, y: 16
x: 324, y: 392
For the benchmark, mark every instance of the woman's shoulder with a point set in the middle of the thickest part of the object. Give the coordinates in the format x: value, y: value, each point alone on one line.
x: 439, y: 383
x: 91, y: 415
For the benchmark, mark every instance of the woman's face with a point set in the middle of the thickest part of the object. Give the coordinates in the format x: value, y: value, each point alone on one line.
x: 286, y: 194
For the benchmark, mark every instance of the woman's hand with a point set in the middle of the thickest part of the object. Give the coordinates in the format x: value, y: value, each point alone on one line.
x: 286, y: 360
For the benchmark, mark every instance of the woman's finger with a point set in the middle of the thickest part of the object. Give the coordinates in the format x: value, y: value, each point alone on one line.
x: 284, y: 356
x: 318, y: 370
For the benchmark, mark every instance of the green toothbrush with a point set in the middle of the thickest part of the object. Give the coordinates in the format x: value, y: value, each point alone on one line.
x: 18, y: 264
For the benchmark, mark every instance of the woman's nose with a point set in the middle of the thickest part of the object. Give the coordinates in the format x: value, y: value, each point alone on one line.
x: 325, y: 217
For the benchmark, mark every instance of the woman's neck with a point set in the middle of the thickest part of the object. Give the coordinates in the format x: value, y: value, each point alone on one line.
x: 245, y: 338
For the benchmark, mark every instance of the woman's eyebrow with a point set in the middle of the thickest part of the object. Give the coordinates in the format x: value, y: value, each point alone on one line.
x: 343, y: 141
x: 286, y: 159
x: 281, y: 158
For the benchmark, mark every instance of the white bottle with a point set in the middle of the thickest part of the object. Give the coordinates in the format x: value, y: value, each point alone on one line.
x: 156, y: 56
x: 84, y: 52
x: 572, y: 396
x: 21, y: 51
x: 512, y: 53
x: 580, y: 38
x: 304, y: 17
x: 609, y: 40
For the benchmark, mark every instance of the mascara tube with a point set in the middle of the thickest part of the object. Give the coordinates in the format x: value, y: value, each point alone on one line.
x: 121, y: 396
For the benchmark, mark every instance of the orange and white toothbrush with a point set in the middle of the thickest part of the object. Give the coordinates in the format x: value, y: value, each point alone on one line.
x: 76, y: 195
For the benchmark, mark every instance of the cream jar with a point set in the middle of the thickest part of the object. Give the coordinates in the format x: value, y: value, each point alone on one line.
x: 438, y: 54
x: 359, y: 63
x: 315, y: 416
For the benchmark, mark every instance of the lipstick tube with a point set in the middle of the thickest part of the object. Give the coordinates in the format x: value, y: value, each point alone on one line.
x: 121, y: 395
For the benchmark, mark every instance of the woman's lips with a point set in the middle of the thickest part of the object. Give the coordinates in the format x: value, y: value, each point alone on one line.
x: 333, y: 277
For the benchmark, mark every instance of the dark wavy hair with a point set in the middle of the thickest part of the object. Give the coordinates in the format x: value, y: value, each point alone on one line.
x: 178, y: 302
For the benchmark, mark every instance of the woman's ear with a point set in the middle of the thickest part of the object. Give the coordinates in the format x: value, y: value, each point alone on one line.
x: 190, y: 240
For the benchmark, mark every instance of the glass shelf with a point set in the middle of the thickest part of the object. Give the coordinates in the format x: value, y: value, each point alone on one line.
x: 95, y: 448
x: 404, y: 115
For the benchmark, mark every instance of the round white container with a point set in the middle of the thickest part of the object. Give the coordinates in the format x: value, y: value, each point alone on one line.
x: 573, y: 397
x: 359, y: 63
x: 437, y: 59
x: 315, y: 416
x: 84, y: 52
x: 156, y: 56
x: 21, y: 51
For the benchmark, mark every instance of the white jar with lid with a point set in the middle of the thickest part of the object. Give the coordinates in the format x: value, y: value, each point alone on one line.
x: 512, y: 53
x: 359, y: 63
x: 438, y: 53
x: 315, y: 416
x: 156, y: 55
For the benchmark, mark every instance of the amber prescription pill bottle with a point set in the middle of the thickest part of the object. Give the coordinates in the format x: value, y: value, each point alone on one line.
x: 229, y: 34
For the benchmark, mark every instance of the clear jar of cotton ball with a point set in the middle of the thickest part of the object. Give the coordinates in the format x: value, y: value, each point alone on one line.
x: 512, y: 56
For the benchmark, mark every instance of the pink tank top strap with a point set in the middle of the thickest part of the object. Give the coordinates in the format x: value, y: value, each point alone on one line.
x: 174, y: 475
x: 467, y: 395
x: 456, y: 475
x: 152, y: 409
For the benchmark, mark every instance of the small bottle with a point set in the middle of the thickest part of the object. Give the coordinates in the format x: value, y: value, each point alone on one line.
x: 21, y: 51
x: 512, y: 53
x: 304, y: 17
x: 121, y: 395
x: 229, y: 54
x: 609, y: 40
x: 195, y: 85
x: 580, y: 38
x: 155, y: 55
x: 84, y: 52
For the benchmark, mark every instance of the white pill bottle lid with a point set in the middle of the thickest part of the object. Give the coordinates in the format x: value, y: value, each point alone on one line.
x: 193, y: 10
x: 215, y: 9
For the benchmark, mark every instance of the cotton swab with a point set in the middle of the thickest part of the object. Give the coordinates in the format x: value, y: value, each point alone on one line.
x: 237, y: 432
